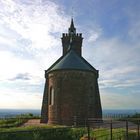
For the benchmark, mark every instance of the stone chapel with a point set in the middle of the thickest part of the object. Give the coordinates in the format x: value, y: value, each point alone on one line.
x: 71, y: 88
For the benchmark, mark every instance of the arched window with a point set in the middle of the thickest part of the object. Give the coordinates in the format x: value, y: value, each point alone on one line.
x: 51, y: 97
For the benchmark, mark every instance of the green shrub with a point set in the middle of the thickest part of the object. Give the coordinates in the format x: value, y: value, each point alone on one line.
x: 61, y: 133
x: 44, y: 134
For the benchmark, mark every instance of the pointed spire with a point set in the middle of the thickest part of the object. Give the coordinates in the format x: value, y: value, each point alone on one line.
x: 72, y: 29
x: 72, y: 24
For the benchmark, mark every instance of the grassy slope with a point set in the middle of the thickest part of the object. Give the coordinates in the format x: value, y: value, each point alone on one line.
x: 54, y: 132
x: 16, y: 121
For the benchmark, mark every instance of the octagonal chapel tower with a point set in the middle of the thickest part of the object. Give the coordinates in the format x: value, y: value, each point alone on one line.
x: 71, y: 87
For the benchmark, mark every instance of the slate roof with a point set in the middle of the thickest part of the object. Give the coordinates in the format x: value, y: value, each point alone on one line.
x: 71, y: 61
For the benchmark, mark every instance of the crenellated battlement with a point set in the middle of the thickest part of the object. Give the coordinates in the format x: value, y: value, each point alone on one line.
x: 64, y: 34
x: 74, y: 35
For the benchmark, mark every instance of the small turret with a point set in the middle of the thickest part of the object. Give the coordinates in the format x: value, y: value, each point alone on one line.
x: 72, y: 39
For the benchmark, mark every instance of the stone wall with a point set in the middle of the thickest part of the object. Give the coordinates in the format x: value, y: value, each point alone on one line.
x: 75, y: 94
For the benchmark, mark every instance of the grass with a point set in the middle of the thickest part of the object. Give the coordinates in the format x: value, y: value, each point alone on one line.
x: 30, y: 128
x: 16, y: 121
x: 10, y: 131
x: 42, y: 133
x: 104, y: 134
x: 60, y: 132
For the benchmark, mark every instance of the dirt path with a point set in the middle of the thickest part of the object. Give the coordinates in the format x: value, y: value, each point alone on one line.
x: 33, y: 122
x: 105, y: 124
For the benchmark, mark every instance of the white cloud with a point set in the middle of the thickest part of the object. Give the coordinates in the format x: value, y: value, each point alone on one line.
x: 93, y: 36
x: 11, y: 66
x: 111, y: 100
x: 119, y: 83
x: 118, y: 71
x: 20, y: 100
x: 6, y: 41
x: 34, y: 21
x: 116, y: 60
x: 29, y: 44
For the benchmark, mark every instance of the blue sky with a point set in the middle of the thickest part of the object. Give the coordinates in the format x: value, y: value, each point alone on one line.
x: 30, y: 41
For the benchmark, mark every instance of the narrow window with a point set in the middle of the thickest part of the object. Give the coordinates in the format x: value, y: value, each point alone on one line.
x: 51, y: 101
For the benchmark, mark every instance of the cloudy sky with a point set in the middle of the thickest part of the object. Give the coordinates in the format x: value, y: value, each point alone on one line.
x: 30, y: 41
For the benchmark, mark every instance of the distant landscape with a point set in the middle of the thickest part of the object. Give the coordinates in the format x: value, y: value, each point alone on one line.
x: 13, y: 112
x: 24, y: 124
